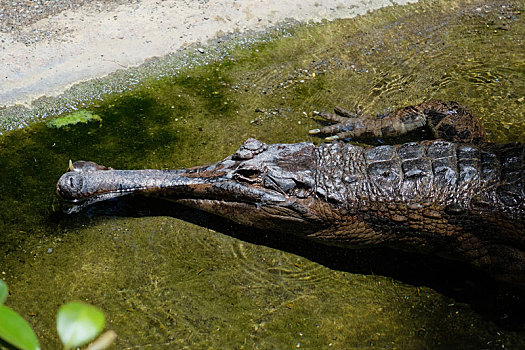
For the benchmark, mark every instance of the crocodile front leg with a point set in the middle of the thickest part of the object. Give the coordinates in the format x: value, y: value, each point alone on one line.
x: 447, y: 120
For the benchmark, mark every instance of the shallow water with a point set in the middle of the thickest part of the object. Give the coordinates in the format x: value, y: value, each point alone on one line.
x: 169, y: 276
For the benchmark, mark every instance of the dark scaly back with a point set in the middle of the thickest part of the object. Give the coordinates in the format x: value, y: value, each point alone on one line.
x: 462, y: 201
x: 511, y: 188
x: 503, y: 166
x: 463, y: 175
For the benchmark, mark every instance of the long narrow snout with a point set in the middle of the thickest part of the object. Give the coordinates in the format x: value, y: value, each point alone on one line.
x: 87, y: 182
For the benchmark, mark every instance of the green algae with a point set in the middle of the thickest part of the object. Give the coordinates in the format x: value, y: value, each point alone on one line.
x: 197, y: 283
x: 81, y: 116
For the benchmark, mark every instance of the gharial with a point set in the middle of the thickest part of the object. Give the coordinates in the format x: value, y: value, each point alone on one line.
x: 457, y: 196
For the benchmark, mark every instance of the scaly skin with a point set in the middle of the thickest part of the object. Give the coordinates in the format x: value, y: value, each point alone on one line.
x: 463, y: 201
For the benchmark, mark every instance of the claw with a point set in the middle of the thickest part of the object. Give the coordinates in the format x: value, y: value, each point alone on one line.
x: 346, y: 113
x: 71, y: 167
x: 332, y: 138
x: 314, y: 131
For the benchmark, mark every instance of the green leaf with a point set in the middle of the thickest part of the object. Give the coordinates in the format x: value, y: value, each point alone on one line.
x: 78, y: 323
x: 16, y: 331
x: 3, y: 292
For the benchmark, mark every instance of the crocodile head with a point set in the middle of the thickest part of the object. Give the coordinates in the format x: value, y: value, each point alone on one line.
x: 266, y: 186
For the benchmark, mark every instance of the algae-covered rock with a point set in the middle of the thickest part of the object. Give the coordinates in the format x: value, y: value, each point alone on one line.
x: 81, y: 116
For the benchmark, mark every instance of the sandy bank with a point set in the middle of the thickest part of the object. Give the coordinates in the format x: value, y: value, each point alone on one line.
x: 47, y: 56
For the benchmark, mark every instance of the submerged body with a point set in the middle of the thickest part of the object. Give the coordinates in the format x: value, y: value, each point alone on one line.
x: 463, y: 201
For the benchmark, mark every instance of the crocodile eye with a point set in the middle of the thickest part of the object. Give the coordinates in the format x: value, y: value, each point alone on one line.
x: 247, y: 174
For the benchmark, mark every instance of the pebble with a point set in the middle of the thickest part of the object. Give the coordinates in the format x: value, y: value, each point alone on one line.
x: 14, y: 15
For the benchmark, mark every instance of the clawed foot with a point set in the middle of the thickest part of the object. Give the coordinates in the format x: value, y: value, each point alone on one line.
x: 444, y: 120
x: 348, y: 125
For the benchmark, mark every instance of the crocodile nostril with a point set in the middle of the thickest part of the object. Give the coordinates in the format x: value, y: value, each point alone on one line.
x: 75, y: 183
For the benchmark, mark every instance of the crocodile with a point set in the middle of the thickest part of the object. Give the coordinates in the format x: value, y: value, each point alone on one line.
x: 455, y: 196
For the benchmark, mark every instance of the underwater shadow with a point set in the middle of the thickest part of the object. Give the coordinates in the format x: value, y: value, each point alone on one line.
x: 501, y: 303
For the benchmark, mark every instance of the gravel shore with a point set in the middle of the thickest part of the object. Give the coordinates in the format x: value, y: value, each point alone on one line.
x: 47, y: 46
x: 15, y: 15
